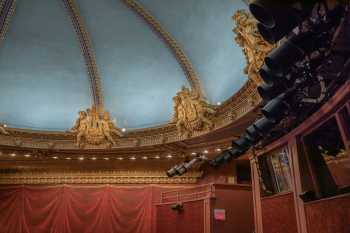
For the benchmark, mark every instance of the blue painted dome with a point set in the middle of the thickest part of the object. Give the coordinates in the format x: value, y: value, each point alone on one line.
x: 45, y: 80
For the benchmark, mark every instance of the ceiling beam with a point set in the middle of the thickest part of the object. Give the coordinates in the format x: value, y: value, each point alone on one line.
x: 172, y: 44
x: 88, y: 53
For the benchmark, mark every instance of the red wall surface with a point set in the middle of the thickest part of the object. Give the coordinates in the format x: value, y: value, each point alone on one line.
x: 278, y: 214
x: 238, y: 205
x: 190, y: 220
x: 329, y: 216
x: 83, y: 209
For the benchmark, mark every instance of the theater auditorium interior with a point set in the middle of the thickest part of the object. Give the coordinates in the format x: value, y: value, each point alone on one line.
x: 174, y: 116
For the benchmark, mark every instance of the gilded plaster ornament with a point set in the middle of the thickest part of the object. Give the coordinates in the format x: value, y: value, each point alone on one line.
x: 191, y: 112
x: 3, y: 130
x: 254, y: 47
x: 95, y: 129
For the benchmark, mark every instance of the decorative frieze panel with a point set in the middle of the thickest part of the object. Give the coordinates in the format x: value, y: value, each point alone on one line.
x: 115, y: 177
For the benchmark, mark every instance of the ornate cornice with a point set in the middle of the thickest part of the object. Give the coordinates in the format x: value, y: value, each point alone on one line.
x: 181, y: 57
x: 7, y: 9
x: 103, y: 177
x: 88, y: 53
x: 232, y: 110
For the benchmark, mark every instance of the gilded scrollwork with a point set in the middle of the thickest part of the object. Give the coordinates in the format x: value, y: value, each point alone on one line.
x: 191, y: 112
x: 3, y: 130
x: 96, y: 130
x: 255, y: 48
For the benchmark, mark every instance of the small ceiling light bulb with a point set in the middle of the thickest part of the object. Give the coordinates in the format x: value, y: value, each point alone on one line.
x: 93, y: 158
x: 120, y: 158
x: 218, y: 150
x: 12, y: 154
x: 157, y: 157
x: 55, y: 157
x: 27, y: 155
x: 193, y: 153
x: 133, y: 158
x: 169, y: 156
x: 81, y: 158
x: 144, y: 157
x: 68, y: 158
x: 106, y: 158
x: 205, y: 151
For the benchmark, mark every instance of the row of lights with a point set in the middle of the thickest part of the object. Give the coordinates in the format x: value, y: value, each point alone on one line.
x: 169, y: 156
x: 119, y: 158
x: 206, y: 151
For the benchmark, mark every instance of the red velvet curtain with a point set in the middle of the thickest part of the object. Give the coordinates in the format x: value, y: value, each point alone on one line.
x: 73, y: 209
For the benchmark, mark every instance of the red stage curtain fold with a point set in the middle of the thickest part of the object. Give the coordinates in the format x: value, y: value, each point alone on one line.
x: 73, y: 209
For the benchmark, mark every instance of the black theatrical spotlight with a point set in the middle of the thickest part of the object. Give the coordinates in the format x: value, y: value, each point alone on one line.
x: 263, y: 125
x: 242, y: 144
x: 182, y: 168
x: 253, y: 133
x: 268, y: 76
x: 274, y: 83
x: 286, y: 55
x: 224, y: 157
x: 278, y: 18
x: 173, y: 171
x: 276, y: 109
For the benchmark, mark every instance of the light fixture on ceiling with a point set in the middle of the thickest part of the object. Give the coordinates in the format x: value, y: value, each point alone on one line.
x: 93, y: 158
x: 13, y: 154
x: 132, y: 158
x: 68, y: 158
x: 169, y: 156
x: 27, y: 155
x: 120, y: 158
x: 157, y: 157
x: 193, y: 153
x: 205, y: 151
x: 144, y: 157
x: 81, y: 158
x: 106, y: 158
x: 218, y: 150
x: 55, y: 157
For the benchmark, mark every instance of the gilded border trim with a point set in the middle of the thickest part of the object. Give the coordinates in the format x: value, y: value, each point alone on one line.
x: 179, y: 54
x: 116, y: 177
x: 9, y: 6
x: 88, y: 53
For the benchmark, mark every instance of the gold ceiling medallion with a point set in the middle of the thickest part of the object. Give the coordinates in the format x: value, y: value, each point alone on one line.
x: 191, y: 112
x: 255, y: 48
x: 95, y: 129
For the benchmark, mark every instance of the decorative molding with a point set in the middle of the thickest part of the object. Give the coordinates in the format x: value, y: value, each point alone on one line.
x: 254, y: 47
x: 227, y: 114
x: 103, y: 177
x: 185, y: 63
x: 88, y: 53
x: 191, y: 113
x: 94, y: 128
x: 7, y: 10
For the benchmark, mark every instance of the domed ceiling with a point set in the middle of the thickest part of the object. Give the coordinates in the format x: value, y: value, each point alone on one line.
x: 56, y: 59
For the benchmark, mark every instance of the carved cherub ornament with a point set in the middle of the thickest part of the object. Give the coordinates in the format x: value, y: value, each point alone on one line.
x: 255, y: 48
x: 94, y: 129
x: 191, y: 112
